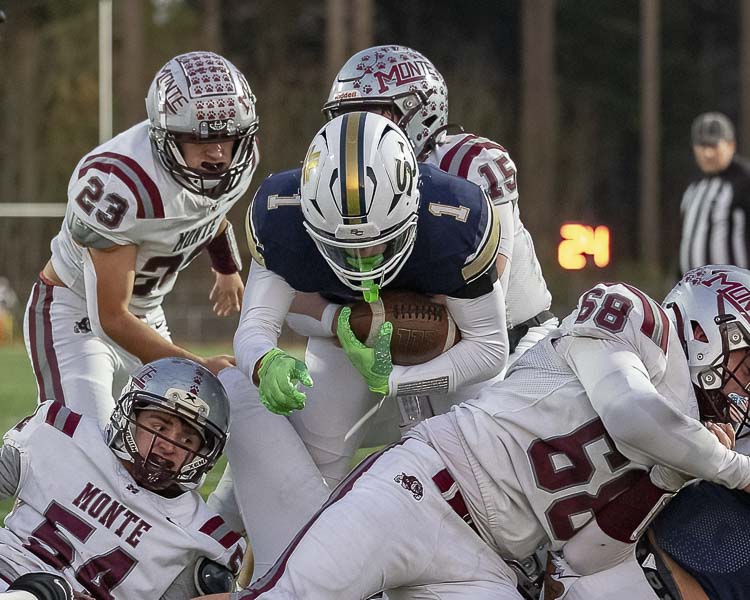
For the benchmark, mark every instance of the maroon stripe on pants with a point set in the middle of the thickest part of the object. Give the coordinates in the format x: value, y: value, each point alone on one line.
x: 32, y: 341
x: 49, y: 347
x: 270, y: 579
x: 444, y: 481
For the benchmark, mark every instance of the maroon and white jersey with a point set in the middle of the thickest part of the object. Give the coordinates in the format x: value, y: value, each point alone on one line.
x: 578, y: 420
x: 80, y: 513
x: 489, y: 165
x: 120, y: 194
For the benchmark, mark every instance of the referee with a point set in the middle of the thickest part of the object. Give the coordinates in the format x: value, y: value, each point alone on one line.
x: 716, y: 207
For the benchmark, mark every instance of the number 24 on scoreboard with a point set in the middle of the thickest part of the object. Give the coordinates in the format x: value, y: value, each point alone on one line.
x: 580, y: 241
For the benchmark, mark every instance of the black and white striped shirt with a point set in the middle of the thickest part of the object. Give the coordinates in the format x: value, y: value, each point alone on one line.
x: 715, y: 211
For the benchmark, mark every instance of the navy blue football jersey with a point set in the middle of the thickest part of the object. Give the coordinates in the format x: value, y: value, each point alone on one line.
x: 706, y: 529
x: 458, y: 233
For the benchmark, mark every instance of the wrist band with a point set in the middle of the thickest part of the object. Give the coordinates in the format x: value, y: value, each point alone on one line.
x: 225, y: 257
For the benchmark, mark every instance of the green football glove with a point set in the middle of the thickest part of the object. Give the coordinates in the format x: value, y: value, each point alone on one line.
x: 278, y: 376
x: 374, y: 364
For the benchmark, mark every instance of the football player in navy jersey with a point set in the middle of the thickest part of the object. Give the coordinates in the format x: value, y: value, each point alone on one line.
x: 359, y: 215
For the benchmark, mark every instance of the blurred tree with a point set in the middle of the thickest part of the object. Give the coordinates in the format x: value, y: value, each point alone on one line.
x: 539, y: 118
x: 649, y: 221
x: 131, y: 79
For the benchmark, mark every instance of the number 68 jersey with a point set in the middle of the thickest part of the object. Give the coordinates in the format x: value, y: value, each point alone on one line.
x: 120, y: 194
x: 537, y: 460
x: 80, y: 514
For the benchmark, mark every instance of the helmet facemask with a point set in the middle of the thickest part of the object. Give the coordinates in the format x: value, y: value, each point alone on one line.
x: 369, y: 265
x: 723, y: 388
x: 201, y: 181
x: 149, y: 468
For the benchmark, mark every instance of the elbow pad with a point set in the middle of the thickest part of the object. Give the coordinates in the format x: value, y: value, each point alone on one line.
x: 41, y: 586
x: 212, y: 578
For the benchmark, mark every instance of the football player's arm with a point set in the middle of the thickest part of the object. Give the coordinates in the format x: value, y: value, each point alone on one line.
x: 226, y: 264
x: 479, y: 355
x: 10, y: 471
x: 644, y: 425
x: 311, y: 315
x: 110, y: 273
x: 505, y: 250
x: 264, y: 307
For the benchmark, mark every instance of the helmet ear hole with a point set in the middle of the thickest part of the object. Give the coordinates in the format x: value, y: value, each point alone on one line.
x: 698, y: 332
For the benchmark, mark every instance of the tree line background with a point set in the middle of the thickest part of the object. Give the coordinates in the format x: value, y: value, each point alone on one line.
x: 593, y: 99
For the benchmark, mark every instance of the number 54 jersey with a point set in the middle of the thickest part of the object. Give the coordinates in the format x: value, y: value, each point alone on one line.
x: 531, y: 454
x: 80, y: 514
x: 120, y: 194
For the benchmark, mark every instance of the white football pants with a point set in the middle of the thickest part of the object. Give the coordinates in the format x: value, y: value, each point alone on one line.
x: 71, y: 363
x: 387, y: 526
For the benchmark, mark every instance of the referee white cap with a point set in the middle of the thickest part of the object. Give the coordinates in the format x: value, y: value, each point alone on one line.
x: 710, y: 128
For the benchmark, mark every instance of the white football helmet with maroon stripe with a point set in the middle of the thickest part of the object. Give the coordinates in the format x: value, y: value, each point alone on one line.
x: 182, y: 388
x: 396, y: 78
x: 360, y: 197
x: 201, y: 97
x: 710, y: 309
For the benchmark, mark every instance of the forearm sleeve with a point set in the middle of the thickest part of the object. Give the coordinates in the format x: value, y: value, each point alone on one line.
x: 10, y: 471
x: 643, y: 424
x: 480, y: 355
x: 265, y: 304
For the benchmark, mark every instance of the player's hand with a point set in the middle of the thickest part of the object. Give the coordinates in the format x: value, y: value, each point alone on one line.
x: 278, y: 376
x: 723, y: 432
x: 218, y: 363
x: 227, y: 294
x: 374, y: 364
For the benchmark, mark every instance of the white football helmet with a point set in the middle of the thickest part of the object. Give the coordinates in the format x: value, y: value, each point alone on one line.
x: 360, y: 197
x: 182, y: 388
x: 709, y: 308
x: 201, y: 97
x: 399, y: 79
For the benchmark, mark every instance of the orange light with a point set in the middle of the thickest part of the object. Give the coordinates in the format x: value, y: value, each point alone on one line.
x: 581, y: 240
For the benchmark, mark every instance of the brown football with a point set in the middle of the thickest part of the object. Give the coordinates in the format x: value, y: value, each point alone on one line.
x: 422, y: 329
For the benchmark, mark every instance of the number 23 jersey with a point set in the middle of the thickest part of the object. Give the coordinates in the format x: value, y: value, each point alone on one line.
x: 85, y: 517
x: 120, y: 194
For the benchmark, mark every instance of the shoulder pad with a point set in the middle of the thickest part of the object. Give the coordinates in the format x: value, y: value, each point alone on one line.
x: 85, y: 235
x: 43, y: 586
x: 212, y: 578
x: 277, y: 191
x: 622, y: 312
x: 484, y: 162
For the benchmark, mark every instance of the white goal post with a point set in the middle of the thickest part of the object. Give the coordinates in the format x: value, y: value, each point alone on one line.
x: 32, y: 209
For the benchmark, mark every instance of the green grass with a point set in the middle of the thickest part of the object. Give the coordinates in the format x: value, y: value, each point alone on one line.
x: 18, y: 399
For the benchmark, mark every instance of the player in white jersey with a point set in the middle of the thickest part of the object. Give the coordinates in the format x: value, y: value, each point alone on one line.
x: 593, y: 429
x: 140, y: 208
x: 117, y: 513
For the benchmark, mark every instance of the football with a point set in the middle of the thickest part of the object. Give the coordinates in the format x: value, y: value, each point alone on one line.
x: 422, y: 329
